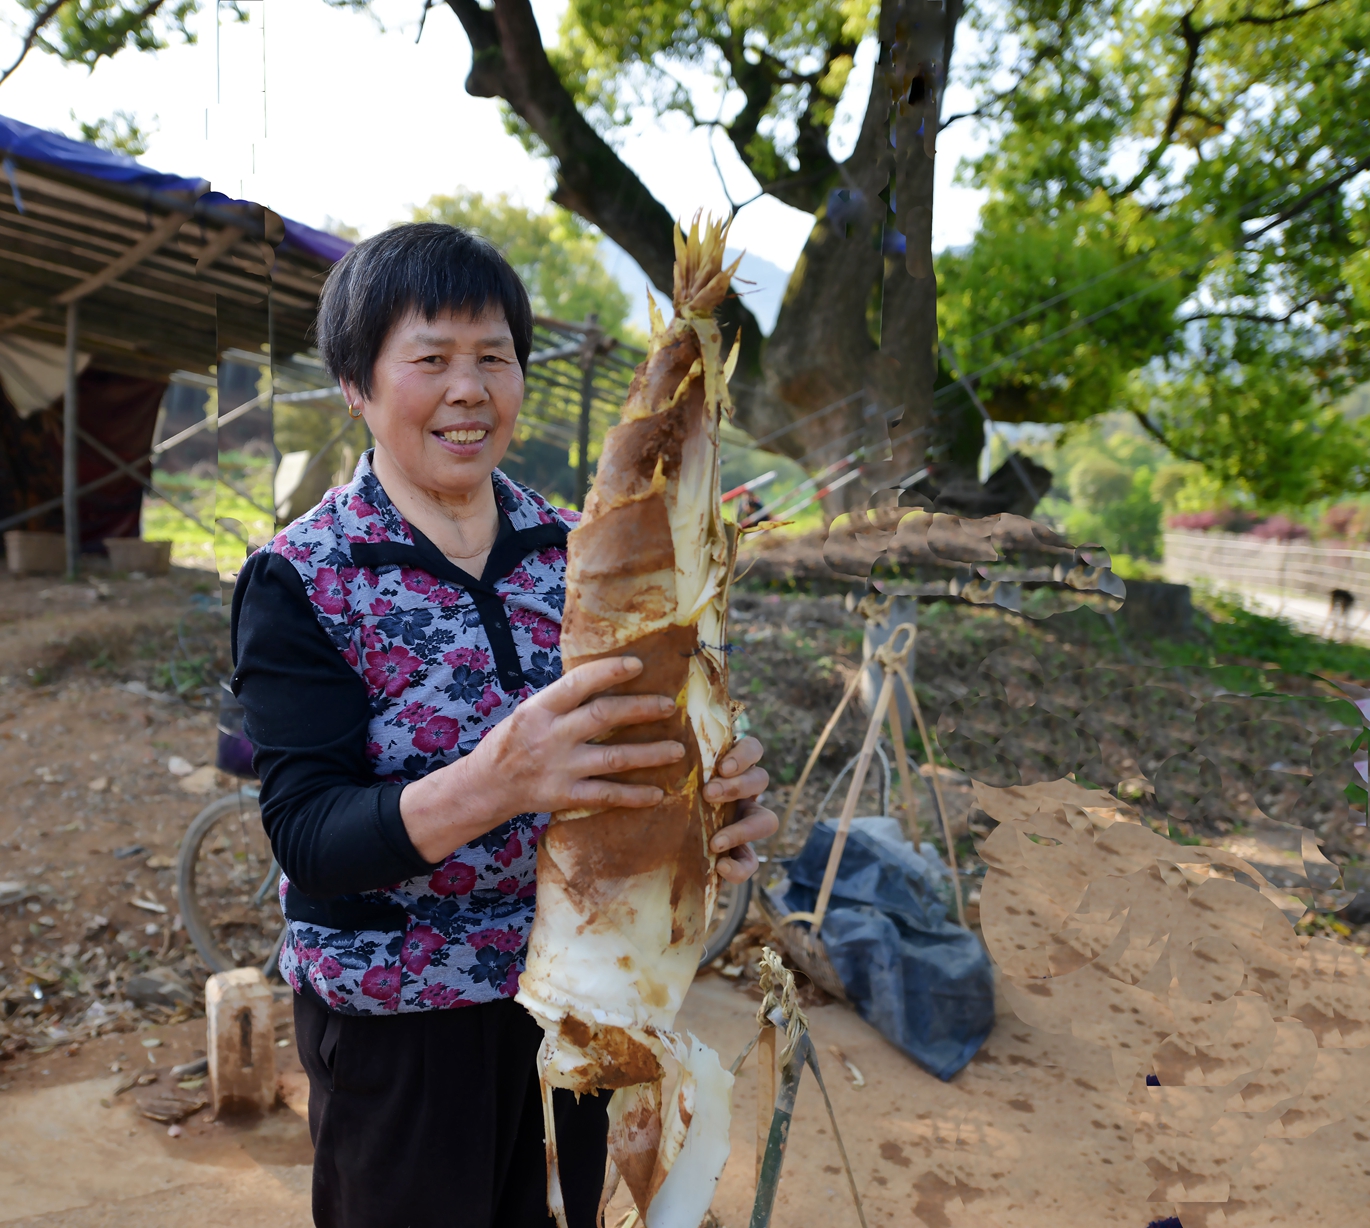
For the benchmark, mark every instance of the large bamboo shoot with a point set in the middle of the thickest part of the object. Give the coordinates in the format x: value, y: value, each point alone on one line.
x: 624, y: 896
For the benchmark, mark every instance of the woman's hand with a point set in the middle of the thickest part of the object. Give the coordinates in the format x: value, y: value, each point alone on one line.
x: 739, y: 779
x: 542, y: 757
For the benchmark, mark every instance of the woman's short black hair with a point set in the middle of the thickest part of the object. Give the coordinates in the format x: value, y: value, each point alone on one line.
x: 428, y: 267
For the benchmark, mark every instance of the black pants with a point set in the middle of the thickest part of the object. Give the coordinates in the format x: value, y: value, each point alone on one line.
x: 434, y: 1120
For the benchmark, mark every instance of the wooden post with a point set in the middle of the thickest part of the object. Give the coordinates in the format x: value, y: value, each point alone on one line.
x: 241, y: 1043
x: 911, y: 825
x: 765, y: 1092
x: 863, y: 763
x: 71, y: 522
x: 588, y: 350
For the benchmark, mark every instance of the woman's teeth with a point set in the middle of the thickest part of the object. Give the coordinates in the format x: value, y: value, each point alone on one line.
x: 464, y: 436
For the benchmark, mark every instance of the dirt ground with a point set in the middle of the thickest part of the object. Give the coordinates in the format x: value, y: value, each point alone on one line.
x: 1032, y: 1133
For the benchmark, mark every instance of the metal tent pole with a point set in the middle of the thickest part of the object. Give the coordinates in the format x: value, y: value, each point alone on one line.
x: 70, y: 408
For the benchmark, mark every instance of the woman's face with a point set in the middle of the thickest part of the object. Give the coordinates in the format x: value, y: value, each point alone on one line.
x: 444, y: 398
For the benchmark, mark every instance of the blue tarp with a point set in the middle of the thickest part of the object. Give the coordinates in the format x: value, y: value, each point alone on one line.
x: 922, y: 981
x: 21, y: 140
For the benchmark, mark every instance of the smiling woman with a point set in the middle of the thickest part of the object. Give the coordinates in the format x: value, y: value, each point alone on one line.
x: 441, y: 385
x: 397, y: 658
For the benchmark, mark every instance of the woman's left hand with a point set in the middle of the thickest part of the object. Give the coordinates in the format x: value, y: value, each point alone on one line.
x: 739, y: 779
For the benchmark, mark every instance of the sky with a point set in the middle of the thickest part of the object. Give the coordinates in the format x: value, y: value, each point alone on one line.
x: 320, y: 113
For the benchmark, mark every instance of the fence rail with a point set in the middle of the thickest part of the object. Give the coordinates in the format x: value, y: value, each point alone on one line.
x: 1240, y: 561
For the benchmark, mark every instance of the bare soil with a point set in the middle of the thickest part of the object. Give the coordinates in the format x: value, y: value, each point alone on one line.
x: 90, y: 718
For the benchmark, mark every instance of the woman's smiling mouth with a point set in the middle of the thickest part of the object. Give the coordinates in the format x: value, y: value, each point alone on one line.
x: 464, y: 435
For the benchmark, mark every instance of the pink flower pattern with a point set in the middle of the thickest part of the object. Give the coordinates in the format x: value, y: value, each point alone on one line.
x: 438, y: 734
x: 419, y: 944
x: 382, y: 982
x: 472, y: 658
x: 330, y: 593
x: 417, y: 643
x: 453, y: 878
x: 389, y: 671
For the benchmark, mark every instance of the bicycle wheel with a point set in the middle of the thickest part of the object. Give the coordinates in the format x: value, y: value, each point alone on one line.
x: 729, y: 914
x: 227, y: 877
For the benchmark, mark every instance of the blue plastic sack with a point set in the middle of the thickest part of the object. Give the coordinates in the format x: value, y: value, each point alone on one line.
x: 922, y: 981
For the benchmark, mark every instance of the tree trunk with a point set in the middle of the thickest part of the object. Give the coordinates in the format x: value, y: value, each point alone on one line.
x: 826, y: 344
x: 509, y: 61
x: 920, y: 38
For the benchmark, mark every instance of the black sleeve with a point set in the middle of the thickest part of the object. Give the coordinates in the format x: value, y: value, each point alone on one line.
x: 333, y: 827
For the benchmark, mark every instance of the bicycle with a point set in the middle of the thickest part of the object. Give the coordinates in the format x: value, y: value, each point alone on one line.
x: 228, y: 878
x: 226, y: 874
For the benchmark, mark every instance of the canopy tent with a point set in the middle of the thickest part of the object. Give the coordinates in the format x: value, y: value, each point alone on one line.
x: 116, y: 279
x: 167, y: 272
x: 127, y: 275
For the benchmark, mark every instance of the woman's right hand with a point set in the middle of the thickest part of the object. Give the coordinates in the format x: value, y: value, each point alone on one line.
x: 543, y: 757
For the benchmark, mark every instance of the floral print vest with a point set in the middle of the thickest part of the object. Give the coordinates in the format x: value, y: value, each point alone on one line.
x: 437, y: 683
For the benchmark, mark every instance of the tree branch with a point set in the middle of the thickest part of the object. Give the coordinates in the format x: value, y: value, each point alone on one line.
x: 758, y: 88
x: 509, y: 61
x: 1144, y: 420
x: 1193, y: 41
x: 759, y: 82
x: 1193, y: 37
x: 1253, y: 317
x: 1255, y: 19
x: 1302, y: 203
x: 816, y: 163
x: 40, y: 19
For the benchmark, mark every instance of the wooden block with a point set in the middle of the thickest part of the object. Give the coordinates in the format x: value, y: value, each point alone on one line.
x: 242, y: 1051
x: 152, y: 558
x: 35, y: 553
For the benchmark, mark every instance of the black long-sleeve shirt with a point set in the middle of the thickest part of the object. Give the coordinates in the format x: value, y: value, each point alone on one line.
x: 334, y: 827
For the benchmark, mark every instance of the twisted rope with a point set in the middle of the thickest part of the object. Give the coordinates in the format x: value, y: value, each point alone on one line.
x: 780, y: 995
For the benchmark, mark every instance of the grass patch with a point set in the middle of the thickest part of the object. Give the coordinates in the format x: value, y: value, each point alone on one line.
x: 1237, y: 636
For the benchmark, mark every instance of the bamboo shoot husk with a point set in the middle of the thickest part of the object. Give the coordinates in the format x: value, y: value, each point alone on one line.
x: 624, y: 895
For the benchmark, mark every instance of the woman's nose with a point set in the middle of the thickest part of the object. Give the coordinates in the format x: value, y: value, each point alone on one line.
x: 466, y: 384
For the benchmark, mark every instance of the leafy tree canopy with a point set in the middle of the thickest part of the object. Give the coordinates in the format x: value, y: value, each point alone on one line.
x: 1177, y: 218
x: 1185, y: 180
x: 87, y: 31
x: 780, y: 68
x: 555, y: 253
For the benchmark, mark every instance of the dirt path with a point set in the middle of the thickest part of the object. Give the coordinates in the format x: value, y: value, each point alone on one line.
x: 1033, y: 1133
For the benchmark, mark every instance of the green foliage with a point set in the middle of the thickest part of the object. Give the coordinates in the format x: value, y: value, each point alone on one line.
x: 555, y: 253
x: 120, y: 133
x: 87, y: 31
x: 1023, y: 255
x: 789, y: 62
x: 1195, y: 164
x: 1252, y: 408
x: 1106, y: 472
